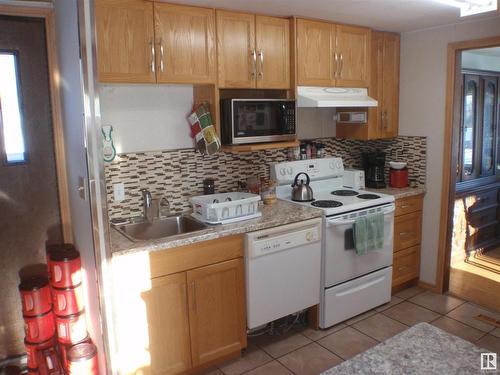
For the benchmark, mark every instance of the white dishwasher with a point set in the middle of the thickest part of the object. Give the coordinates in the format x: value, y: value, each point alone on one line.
x: 283, y: 268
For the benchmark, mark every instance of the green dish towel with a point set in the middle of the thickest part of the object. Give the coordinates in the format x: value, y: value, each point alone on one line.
x: 368, y: 233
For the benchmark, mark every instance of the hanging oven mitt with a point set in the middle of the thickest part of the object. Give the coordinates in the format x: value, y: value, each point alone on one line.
x: 108, y: 148
x: 203, y: 131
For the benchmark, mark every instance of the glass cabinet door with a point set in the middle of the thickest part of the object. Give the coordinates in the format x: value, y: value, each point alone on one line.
x: 469, y: 127
x: 489, y: 85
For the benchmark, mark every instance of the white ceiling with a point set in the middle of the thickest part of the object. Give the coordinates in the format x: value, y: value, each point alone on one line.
x: 388, y: 15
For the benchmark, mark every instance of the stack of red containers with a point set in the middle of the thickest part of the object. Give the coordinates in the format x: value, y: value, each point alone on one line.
x: 67, y: 297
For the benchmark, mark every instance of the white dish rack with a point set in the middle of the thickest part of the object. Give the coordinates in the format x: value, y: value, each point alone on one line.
x: 226, y: 207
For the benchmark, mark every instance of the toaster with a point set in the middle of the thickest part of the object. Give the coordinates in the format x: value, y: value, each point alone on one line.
x: 354, y: 179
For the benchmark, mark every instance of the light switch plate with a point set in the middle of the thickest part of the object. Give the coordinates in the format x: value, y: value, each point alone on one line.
x: 118, y: 192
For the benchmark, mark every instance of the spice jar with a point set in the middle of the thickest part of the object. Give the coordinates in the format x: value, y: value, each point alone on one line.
x: 268, y: 191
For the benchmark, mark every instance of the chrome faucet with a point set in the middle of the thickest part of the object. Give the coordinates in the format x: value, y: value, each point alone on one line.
x: 147, y: 205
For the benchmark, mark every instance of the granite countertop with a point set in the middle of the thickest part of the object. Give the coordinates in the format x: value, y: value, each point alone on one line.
x: 279, y: 213
x: 399, y: 192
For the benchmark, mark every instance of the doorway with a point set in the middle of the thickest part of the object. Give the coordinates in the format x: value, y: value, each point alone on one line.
x: 32, y: 202
x: 469, y: 254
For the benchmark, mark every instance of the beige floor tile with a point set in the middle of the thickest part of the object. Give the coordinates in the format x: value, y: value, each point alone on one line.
x: 409, y: 292
x: 440, y: 303
x: 277, y: 346
x: 380, y: 327
x: 272, y: 368
x: 347, y: 342
x: 410, y: 314
x: 310, y: 360
x: 394, y: 301
x: 458, y: 329
x: 490, y: 342
x: 213, y: 372
x: 467, y: 314
x: 495, y: 332
x: 252, y: 357
x: 360, y: 317
x: 316, y: 334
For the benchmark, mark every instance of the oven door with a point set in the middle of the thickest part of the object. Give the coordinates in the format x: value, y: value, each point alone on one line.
x: 341, y: 261
x: 263, y: 120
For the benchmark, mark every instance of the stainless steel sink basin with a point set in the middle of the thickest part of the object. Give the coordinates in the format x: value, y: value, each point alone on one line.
x: 166, y: 227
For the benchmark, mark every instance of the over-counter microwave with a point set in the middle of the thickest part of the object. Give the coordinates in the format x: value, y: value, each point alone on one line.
x: 257, y: 120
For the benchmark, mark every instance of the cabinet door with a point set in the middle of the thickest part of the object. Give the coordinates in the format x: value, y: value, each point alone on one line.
x: 390, y: 86
x: 488, y: 118
x: 353, y: 47
x: 125, y: 41
x: 376, y: 114
x: 216, y: 310
x: 273, y: 52
x: 469, y: 137
x: 237, y: 57
x: 315, y: 59
x: 167, y: 309
x: 185, y: 44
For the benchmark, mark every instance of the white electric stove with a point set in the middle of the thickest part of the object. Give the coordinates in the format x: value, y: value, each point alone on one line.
x: 350, y: 283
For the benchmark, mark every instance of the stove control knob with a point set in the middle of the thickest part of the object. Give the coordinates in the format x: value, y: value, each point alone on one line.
x: 282, y: 171
x: 289, y: 170
x: 332, y: 165
x: 338, y: 164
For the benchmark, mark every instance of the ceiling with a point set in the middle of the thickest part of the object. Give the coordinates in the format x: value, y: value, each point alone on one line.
x: 388, y: 15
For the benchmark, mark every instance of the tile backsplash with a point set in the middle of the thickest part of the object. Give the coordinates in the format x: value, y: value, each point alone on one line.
x: 179, y: 174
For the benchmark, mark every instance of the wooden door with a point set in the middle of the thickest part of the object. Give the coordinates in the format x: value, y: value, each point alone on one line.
x: 273, y: 52
x: 315, y: 55
x: 353, y: 47
x: 390, y: 86
x: 125, y: 41
x: 185, y: 38
x: 236, y: 53
x: 216, y: 310
x: 167, y: 309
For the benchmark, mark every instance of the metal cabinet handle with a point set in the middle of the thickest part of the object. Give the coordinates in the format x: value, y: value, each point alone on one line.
x: 253, y: 53
x: 153, y: 55
x: 261, y: 56
x: 335, y: 71
x: 341, y: 64
x: 405, y: 233
x: 162, y: 65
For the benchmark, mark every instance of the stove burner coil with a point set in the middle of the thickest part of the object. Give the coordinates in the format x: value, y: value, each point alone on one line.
x: 326, y: 204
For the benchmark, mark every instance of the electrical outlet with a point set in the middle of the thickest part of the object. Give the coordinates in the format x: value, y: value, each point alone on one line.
x: 118, y: 192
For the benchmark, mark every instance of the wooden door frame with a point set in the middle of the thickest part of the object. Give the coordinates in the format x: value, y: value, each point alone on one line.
x: 449, y: 175
x: 47, y: 14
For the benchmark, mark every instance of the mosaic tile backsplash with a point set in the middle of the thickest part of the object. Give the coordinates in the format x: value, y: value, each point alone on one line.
x: 179, y: 174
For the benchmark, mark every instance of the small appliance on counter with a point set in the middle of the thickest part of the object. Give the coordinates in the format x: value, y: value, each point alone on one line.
x: 354, y: 178
x: 226, y: 208
x: 374, y: 165
x: 398, y: 175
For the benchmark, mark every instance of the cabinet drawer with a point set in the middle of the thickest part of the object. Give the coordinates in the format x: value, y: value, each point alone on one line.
x: 479, y: 201
x: 406, y: 265
x: 483, y: 236
x: 407, y: 230
x: 409, y: 204
x: 483, y: 217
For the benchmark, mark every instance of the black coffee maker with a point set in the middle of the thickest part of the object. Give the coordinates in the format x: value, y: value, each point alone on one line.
x: 374, y: 166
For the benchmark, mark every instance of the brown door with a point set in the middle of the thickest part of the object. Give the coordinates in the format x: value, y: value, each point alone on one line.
x: 29, y: 207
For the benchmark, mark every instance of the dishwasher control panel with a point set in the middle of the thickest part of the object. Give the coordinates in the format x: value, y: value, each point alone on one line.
x: 268, y: 244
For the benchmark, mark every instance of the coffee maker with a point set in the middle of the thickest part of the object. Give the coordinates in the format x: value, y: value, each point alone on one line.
x: 374, y: 166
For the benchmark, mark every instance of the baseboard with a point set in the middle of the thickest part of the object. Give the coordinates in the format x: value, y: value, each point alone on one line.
x: 431, y: 287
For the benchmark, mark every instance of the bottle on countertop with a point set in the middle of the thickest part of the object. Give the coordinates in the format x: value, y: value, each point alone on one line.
x: 208, y: 186
x: 308, y: 151
x: 303, y: 154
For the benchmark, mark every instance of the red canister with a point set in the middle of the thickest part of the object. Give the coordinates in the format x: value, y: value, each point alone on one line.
x: 48, y: 362
x: 398, y: 178
x: 71, y: 329
x: 35, y: 295
x: 65, y: 267
x: 33, y: 371
x: 63, y: 351
x: 82, y: 360
x: 67, y: 301
x: 39, y: 328
x: 33, y: 348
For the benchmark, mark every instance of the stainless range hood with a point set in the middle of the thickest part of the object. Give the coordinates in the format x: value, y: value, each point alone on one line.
x: 334, y: 97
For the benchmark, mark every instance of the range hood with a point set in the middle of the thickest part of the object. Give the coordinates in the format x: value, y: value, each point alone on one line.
x: 334, y: 97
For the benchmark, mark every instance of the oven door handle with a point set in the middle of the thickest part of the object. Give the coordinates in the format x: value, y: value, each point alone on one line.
x: 333, y: 222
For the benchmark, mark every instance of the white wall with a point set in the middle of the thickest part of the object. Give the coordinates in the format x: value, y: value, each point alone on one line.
x: 147, y: 117
x: 422, y: 112
x: 471, y: 60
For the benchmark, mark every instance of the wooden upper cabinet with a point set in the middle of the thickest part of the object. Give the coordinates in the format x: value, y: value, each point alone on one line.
x: 185, y: 40
x: 125, y: 41
x: 273, y: 52
x: 390, y: 86
x: 216, y: 310
x: 237, y: 56
x: 167, y: 308
x: 315, y: 55
x: 353, y: 51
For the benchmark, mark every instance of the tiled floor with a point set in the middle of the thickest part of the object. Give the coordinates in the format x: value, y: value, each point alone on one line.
x: 305, y: 351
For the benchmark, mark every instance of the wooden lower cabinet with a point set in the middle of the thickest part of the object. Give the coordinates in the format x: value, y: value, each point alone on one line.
x: 407, y: 239
x: 216, y: 310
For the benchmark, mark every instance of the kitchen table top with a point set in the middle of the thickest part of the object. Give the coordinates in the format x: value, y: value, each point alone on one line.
x: 279, y: 213
x: 399, y: 192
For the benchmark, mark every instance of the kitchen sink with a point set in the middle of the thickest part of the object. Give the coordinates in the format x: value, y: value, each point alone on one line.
x: 165, y: 227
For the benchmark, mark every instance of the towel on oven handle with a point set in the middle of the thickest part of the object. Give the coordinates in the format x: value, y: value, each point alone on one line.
x: 368, y: 233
